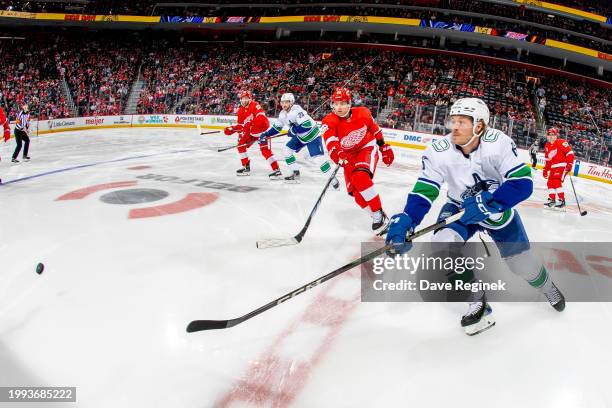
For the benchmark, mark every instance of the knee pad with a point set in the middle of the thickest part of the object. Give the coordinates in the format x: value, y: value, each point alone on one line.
x: 361, y: 179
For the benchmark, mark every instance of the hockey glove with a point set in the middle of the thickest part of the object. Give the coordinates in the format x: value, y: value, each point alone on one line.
x: 545, y: 173
x: 400, y: 226
x: 566, y: 172
x: 263, y: 139
x: 232, y: 129
x: 338, y: 156
x: 479, y: 208
x: 387, y: 154
x: 7, y: 136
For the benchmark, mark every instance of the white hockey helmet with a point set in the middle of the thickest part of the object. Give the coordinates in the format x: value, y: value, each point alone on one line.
x: 472, y: 107
x: 288, y: 97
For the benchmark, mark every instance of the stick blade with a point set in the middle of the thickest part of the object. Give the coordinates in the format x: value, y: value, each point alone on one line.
x: 276, y: 242
x: 583, y: 213
x: 200, y: 325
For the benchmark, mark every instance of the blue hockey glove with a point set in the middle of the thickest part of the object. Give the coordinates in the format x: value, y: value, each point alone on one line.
x: 479, y: 208
x: 400, y: 225
x: 263, y: 139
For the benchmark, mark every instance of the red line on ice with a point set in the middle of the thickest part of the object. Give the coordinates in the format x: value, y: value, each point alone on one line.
x: 274, y: 380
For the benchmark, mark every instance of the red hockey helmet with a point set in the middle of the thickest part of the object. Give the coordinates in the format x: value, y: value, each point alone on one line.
x: 553, y: 131
x: 246, y: 94
x: 341, y: 94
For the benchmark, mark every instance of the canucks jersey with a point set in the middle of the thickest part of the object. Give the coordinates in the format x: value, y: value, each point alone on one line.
x: 299, y: 122
x: 494, y: 166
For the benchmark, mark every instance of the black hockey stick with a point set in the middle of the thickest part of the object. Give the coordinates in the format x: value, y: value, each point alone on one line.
x: 222, y: 149
x: 206, y: 133
x: 199, y: 325
x: 582, y: 213
x: 278, y: 242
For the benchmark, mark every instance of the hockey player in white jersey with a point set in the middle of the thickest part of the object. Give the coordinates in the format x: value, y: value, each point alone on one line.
x: 487, y: 179
x: 303, y: 131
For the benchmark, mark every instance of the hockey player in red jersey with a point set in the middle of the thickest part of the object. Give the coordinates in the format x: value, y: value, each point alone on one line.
x: 353, y: 140
x: 559, y: 158
x: 5, y: 125
x: 252, y: 122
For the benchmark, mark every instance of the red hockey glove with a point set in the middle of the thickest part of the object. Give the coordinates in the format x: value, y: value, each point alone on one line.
x: 387, y: 154
x: 545, y: 173
x: 7, y: 136
x: 339, y: 157
x: 230, y: 130
x: 565, y: 173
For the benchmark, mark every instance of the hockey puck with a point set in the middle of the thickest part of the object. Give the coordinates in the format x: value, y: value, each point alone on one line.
x: 40, y: 268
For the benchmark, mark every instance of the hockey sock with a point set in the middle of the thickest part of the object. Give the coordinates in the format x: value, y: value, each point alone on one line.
x: 290, y: 159
x: 363, y: 184
x: 267, y: 154
x: 530, y: 269
x: 244, y: 159
x: 551, y: 195
x: 291, y: 163
x: 561, y: 195
x: 360, y: 201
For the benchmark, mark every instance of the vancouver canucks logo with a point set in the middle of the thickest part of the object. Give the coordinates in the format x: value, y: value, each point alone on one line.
x: 479, y: 185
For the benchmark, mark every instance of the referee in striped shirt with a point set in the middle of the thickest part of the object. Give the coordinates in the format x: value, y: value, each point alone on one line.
x: 22, y: 125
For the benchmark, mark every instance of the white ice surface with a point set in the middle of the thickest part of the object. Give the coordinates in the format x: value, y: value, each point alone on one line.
x: 108, y: 315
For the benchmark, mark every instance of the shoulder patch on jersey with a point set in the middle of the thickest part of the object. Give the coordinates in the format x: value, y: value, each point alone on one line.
x: 440, y: 145
x: 491, y: 135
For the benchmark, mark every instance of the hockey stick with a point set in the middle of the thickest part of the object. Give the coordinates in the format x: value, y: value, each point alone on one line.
x: 199, y: 325
x: 222, y: 149
x: 206, y: 133
x: 278, y: 242
x: 582, y: 213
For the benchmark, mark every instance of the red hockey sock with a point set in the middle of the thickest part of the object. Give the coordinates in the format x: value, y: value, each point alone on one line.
x: 364, y: 185
x: 266, y: 152
x: 359, y: 200
x: 551, y: 196
x: 561, y: 195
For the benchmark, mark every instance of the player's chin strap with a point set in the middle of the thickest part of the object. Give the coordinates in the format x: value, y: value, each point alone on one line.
x: 473, y: 137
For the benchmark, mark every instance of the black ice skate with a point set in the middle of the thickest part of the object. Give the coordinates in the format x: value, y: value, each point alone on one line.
x: 294, y: 178
x: 550, y: 203
x: 244, y: 171
x: 14, y: 161
x: 556, y: 298
x: 380, y: 222
x: 560, y: 204
x: 335, y: 184
x: 478, y: 318
x: 275, y: 175
x: 26, y: 158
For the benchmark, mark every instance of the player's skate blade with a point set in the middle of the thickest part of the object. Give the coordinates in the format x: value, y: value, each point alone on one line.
x: 294, y: 178
x: 556, y: 298
x: 244, y: 171
x: 380, y: 225
x: 335, y: 184
x: 478, y: 319
x: 275, y: 175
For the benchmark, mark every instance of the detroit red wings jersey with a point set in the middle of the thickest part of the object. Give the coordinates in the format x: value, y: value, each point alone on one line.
x: 558, y: 154
x: 253, y: 119
x: 4, y: 123
x: 352, y: 132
